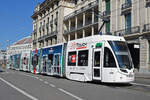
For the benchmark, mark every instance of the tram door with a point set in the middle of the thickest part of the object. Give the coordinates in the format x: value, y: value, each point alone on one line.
x: 97, y: 64
x: 56, y: 67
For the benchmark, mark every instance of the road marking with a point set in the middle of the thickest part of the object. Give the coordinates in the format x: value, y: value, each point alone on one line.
x: 45, y: 82
x: 140, y: 84
x: 52, y: 85
x: 25, y: 74
x: 36, y: 77
x: 41, y: 79
x: 7, y: 72
x: 28, y: 75
x: 74, y: 96
x: 19, y: 90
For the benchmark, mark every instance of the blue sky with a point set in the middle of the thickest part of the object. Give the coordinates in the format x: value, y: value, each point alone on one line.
x: 15, y: 20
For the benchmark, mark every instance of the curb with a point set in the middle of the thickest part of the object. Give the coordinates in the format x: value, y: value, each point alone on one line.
x: 144, y: 77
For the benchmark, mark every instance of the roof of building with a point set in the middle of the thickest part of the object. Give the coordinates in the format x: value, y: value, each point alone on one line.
x: 25, y: 40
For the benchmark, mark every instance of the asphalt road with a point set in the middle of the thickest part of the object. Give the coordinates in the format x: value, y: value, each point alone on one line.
x: 16, y: 85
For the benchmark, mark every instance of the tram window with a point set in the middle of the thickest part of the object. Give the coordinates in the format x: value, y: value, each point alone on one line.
x: 83, y: 58
x: 72, y: 58
x: 25, y: 60
x: 97, y: 59
x: 96, y: 72
x: 57, y: 60
x: 50, y: 57
x: 109, y: 60
x: 35, y: 60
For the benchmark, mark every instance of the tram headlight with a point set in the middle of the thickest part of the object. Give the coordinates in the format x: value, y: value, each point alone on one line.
x: 130, y: 75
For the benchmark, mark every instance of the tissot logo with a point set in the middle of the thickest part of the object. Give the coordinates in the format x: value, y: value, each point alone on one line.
x: 81, y: 45
x: 78, y: 45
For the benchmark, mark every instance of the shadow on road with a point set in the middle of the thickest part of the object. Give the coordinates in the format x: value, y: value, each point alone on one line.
x: 111, y: 84
x: 1, y: 71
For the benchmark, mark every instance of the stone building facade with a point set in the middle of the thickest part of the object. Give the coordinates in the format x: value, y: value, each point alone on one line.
x: 79, y: 18
x: 48, y: 22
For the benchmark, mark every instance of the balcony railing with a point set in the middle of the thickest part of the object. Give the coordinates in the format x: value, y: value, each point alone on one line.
x: 106, y: 13
x: 147, y: 3
x: 128, y: 31
x: 51, y: 34
x: 80, y: 26
x: 41, y: 38
x: 71, y: 30
x: 89, y: 6
x: 146, y: 28
x: 126, y: 7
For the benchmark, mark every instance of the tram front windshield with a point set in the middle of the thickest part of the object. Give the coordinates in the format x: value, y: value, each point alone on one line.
x: 122, y: 54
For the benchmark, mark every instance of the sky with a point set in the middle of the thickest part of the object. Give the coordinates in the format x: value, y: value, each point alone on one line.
x: 15, y: 20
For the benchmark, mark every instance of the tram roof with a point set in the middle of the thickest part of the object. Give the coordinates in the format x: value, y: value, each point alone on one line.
x: 101, y: 38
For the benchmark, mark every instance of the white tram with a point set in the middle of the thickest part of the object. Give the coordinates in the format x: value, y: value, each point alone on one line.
x: 100, y: 57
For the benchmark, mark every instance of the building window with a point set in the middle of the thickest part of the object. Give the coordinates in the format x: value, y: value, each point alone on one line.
x: 75, y: 1
x: 52, y: 18
x: 56, y: 27
x: 57, y: 15
x: 51, y: 28
x: 83, y: 58
x: 52, y: 7
x: 107, y: 26
x: 107, y: 5
x: 48, y: 20
x: 57, y: 3
x: 128, y: 23
x: 128, y: 1
x: 72, y: 58
x: 40, y: 24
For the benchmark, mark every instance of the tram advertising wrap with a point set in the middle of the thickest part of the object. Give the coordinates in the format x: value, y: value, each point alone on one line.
x: 102, y: 58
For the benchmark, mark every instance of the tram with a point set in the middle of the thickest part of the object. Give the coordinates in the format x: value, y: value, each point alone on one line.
x: 100, y: 57
x: 52, y: 60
